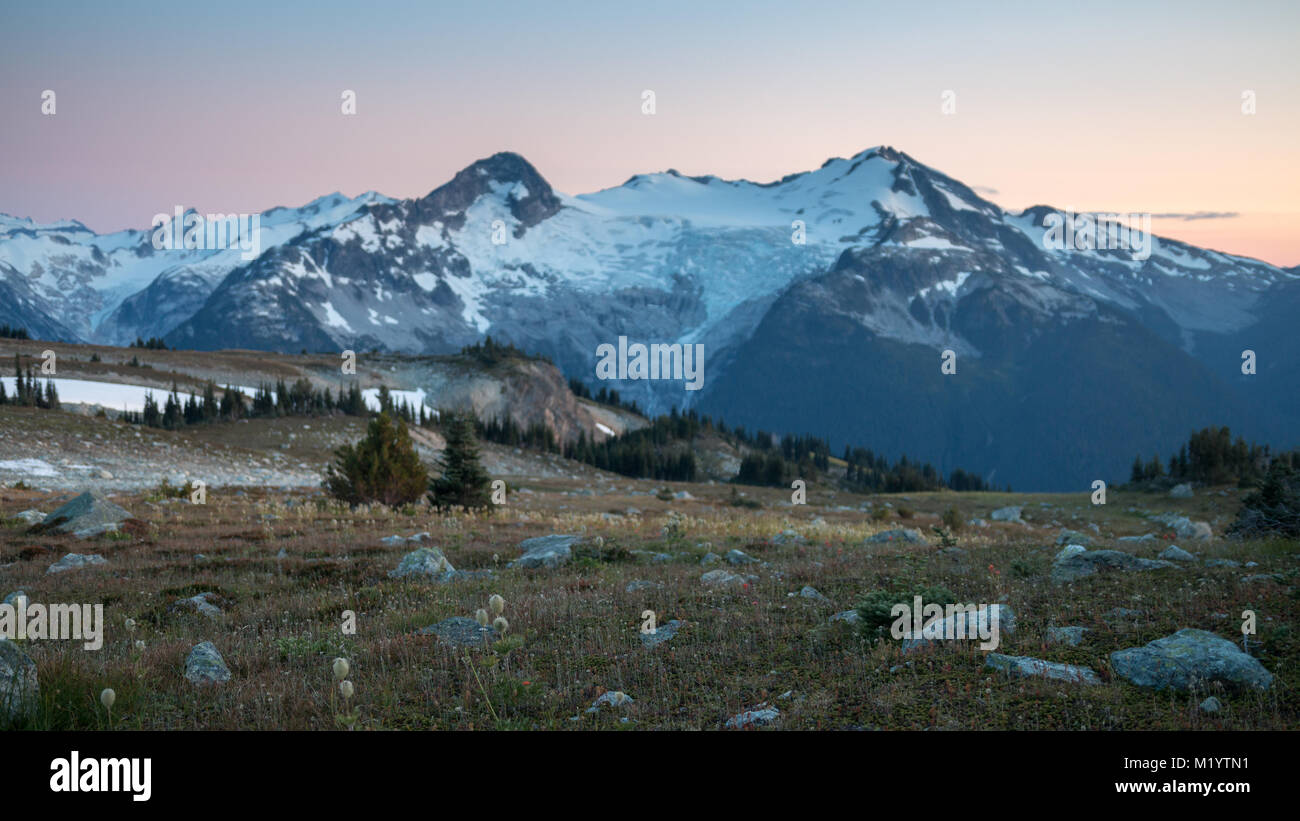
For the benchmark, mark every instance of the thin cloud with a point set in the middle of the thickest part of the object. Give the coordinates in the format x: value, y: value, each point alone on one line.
x: 1197, y: 215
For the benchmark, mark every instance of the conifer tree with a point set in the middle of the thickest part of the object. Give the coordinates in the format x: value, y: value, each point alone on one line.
x: 383, y: 467
x: 463, y: 482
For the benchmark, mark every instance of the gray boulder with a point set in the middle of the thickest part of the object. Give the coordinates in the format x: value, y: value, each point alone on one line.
x: 809, y: 592
x: 460, y: 631
x: 205, y: 665
x: 1222, y: 563
x: 19, y: 688
x: 1190, y: 659
x: 1185, y: 528
x: 87, y: 515
x: 788, y: 537
x: 847, y: 616
x: 546, y: 551
x: 710, y: 558
x: 1183, y: 491
x: 1010, y: 513
x: 1070, y: 550
x: 1082, y: 565
x: 74, y: 561
x: 610, y: 698
x: 908, y: 535
x: 425, y: 563
x: 1211, y: 705
x: 740, y: 557
x: 641, y: 584
x: 1174, y: 553
x: 1026, y: 667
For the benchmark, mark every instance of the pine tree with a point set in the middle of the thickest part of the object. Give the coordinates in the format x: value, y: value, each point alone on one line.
x: 383, y: 467
x: 463, y: 482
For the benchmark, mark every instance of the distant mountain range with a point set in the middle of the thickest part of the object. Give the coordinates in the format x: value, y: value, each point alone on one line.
x: 823, y: 301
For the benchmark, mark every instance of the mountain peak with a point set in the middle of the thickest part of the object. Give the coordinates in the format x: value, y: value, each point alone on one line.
x: 506, y: 174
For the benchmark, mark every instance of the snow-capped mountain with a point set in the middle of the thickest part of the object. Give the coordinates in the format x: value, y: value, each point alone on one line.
x: 823, y: 302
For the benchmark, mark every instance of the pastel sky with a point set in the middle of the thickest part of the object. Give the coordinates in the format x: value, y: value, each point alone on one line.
x: 235, y: 106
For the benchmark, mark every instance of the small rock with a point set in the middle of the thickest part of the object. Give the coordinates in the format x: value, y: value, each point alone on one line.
x: 424, y: 562
x: 1082, y: 565
x: 1072, y: 636
x: 73, y: 561
x: 848, y: 616
x: 612, y: 698
x: 788, y: 537
x: 1222, y: 563
x: 200, y: 604
x: 460, y: 631
x: 1183, y: 491
x: 1211, y: 705
x: 1010, y: 513
x: 20, y: 688
x: 811, y: 593
x: 725, y: 578
x: 546, y: 551
x: 641, y: 584
x: 908, y: 535
x: 206, y: 666
x: 758, y: 717
x: 740, y: 557
x: 710, y: 558
x: 1070, y: 550
x: 661, y: 634
x: 1073, y: 537
x: 963, y: 625
x: 31, y: 517
x: 1026, y: 667
x: 1174, y: 553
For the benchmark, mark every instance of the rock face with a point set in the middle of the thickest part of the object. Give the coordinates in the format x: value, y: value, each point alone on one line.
x: 1026, y: 667
x: 87, y: 515
x: 1081, y: 565
x: 459, y: 631
x: 546, y: 551
x: 205, y: 666
x: 73, y: 561
x: 1190, y: 659
x: 424, y: 562
x: 964, y: 624
x: 908, y: 535
x: 1174, y: 553
x: 19, y: 688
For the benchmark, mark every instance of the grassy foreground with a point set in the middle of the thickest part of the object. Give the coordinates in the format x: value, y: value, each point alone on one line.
x: 574, y: 630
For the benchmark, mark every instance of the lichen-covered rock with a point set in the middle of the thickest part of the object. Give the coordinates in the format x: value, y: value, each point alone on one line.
x: 205, y: 666
x: 460, y: 631
x: 902, y: 534
x: 661, y: 634
x: 425, y: 563
x: 725, y: 578
x: 1082, y: 565
x: 19, y: 688
x: 758, y: 717
x: 1072, y: 636
x: 1190, y: 659
x: 202, y: 604
x: 546, y: 551
x: 1026, y: 667
x: 74, y: 561
x: 87, y: 515
x: 1010, y: 513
